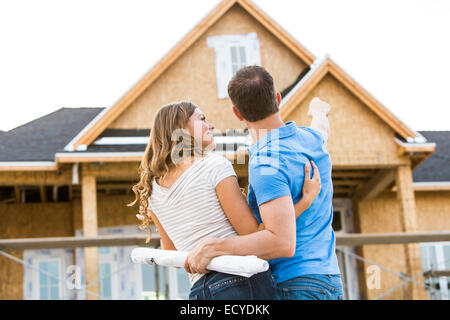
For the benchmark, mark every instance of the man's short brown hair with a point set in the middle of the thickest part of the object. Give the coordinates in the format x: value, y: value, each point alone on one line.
x: 252, y: 92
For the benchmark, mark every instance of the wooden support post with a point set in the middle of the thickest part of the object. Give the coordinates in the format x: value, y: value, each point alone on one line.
x: 408, y: 220
x: 90, y: 229
x: 43, y: 192
x: 17, y: 194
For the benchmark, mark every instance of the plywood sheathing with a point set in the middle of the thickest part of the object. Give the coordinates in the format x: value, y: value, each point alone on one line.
x: 28, y: 220
x: 110, y: 115
x: 383, y: 215
x: 192, y: 76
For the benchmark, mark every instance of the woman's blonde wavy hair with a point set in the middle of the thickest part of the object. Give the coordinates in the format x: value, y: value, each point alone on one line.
x: 169, y: 144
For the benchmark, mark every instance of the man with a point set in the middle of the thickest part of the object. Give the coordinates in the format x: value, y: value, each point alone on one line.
x: 301, y: 251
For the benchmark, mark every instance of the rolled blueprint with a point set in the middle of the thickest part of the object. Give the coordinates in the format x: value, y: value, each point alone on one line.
x: 245, y: 266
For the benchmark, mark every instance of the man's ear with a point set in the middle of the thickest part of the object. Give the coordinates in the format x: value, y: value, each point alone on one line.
x: 237, y: 114
x: 279, y: 98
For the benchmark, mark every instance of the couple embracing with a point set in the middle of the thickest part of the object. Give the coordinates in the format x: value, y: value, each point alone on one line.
x: 195, y: 201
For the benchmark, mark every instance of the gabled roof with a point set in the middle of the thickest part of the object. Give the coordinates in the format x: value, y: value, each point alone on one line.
x: 100, y: 123
x: 319, y: 69
x: 40, y: 139
x: 437, y: 166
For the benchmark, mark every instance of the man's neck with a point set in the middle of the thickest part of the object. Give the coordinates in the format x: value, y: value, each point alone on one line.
x: 262, y: 127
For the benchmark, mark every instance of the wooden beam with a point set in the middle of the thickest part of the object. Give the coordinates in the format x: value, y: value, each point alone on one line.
x: 43, y: 193
x: 61, y: 177
x: 377, y: 184
x: 437, y: 273
x: 112, y: 171
x: 17, y: 194
x: 90, y: 229
x: 408, y: 221
x: 77, y: 242
x: 352, y: 174
x: 347, y: 182
x: 342, y: 239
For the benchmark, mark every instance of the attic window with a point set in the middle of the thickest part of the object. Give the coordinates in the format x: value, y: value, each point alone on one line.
x: 232, y: 52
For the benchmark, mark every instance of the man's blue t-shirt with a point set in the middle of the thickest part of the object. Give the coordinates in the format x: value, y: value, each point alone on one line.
x: 276, y: 169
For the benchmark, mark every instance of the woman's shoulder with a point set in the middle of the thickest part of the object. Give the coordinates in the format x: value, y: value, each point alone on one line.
x: 214, y: 159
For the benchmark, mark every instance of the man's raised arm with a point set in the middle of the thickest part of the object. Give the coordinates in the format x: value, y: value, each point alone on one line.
x: 318, y: 112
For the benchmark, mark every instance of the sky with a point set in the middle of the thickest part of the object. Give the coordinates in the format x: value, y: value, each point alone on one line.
x: 56, y: 54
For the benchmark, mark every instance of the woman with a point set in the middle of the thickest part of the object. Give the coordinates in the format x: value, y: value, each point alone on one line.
x: 191, y: 195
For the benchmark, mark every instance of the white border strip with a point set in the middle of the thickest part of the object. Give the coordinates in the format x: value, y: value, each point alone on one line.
x: 415, y: 144
x: 27, y: 164
x: 98, y: 154
x: 106, y: 141
x: 144, y: 140
x: 431, y: 186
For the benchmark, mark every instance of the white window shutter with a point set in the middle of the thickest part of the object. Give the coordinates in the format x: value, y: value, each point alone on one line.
x: 223, y: 45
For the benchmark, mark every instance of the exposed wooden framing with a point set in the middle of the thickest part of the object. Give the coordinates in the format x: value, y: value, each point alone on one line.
x: 90, y: 229
x: 112, y: 186
x: 417, y: 152
x: 77, y: 242
x: 126, y: 171
x: 437, y: 273
x: 370, y: 164
x: 61, y: 177
x: 342, y: 239
x: 404, y: 148
x: 95, y: 128
x: 377, y: 184
x: 352, y: 174
x: 17, y: 194
x: 344, y: 189
x: 408, y: 221
x: 347, y: 182
x: 328, y: 66
x: 43, y: 193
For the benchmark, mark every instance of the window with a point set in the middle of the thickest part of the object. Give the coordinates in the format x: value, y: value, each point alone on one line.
x: 436, y: 256
x: 343, y: 223
x: 337, y: 221
x: 238, y: 58
x: 49, y: 280
x: 233, y: 52
x: 153, y: 282
x: 106, y: 272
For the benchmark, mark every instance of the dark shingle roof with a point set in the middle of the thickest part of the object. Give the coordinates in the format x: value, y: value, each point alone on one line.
x: 40, y: 139
x: 437, y: 166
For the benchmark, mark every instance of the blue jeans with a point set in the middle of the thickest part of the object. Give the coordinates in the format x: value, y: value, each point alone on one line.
x: 222, y: 286
x: 311, y: 287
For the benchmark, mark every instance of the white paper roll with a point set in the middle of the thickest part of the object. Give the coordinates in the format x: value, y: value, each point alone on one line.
x: 246, y: 266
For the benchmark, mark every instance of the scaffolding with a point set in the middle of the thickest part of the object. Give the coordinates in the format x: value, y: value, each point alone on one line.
x: 342, y: 240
